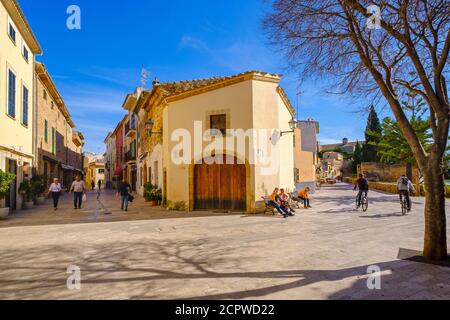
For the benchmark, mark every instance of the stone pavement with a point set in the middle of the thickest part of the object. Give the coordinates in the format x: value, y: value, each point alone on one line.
x: 321, y: 253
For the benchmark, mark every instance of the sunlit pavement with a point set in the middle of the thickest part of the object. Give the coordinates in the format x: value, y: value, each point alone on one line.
x: 148, y: 253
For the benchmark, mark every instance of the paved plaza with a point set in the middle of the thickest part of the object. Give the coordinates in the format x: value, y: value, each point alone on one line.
x: 147, y: 253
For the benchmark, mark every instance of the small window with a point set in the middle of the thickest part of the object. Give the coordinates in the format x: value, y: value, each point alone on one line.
x: 45, y: 94
x: 52, y: 105
x: 11, y: 94
x: 25, y: 53
x: 12, y: 33
x: 25, y: 106
x: 219, y: 122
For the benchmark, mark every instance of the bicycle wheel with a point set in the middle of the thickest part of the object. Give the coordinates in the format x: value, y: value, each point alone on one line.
x: 365, y: 204
x: 404, y: 207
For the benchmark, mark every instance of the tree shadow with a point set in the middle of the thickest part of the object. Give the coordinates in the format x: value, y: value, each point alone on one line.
x: 151, y: 269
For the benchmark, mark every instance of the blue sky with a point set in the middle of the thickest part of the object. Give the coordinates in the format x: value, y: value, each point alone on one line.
x: 95, y: 67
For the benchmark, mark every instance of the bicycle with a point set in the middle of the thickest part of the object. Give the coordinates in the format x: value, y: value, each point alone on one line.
x: 364, y: 202
x: 404, y: 204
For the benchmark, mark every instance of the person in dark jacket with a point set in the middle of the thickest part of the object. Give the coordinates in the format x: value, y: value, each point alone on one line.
x: 124, y: 192
x: 363, y: 185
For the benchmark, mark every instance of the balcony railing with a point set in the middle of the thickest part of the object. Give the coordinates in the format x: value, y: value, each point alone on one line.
x: 130, y: 129
x: 130, y: 156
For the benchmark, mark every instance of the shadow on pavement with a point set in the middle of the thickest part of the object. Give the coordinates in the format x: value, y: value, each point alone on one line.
x: 157, y: 270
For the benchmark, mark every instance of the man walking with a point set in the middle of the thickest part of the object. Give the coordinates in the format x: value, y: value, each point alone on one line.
x: 99, y: 185
x: 124, y: 191
x: 92, y: 185
x: 78, y: 188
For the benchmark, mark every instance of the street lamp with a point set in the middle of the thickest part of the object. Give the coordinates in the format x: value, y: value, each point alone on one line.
x: 292, y: 125
x: 149, y: 126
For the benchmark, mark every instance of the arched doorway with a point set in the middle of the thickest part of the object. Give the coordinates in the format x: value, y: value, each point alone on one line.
x: 220, y: 186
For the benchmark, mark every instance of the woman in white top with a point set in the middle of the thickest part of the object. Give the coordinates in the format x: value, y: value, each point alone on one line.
x: 55, y: 189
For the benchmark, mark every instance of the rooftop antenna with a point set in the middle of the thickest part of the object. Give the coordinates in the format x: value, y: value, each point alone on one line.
x: 144, y: 76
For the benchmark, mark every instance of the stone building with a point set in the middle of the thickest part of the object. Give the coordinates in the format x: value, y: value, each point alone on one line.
x: 331, y: 164
x: 59, y: 145
x: 346, y: 146
x: 239, y: 108
x: 94, y: 169
x: 110, y: 159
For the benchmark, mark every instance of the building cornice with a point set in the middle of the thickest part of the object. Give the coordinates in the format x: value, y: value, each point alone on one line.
x: 286, y: 100
x: 47, y: 81
x: 19, y: 19
x: 16, y: 152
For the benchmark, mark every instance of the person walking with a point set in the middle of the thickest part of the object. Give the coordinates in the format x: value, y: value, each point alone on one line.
x: 124, y: 192
x: 78, y: 188
x: 56, y: 190
x: 92, y: 185
x: 99, y: 185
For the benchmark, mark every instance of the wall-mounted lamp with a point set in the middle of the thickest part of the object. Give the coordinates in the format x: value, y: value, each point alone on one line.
x: 292, y: 125
x: 149, y: 126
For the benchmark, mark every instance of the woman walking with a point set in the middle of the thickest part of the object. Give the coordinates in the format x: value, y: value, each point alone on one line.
x: 55, y: 189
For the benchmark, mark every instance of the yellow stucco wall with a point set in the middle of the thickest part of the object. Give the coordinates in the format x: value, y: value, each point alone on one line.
x: 252, y: 104
x: 12, y: 132
x: 303, y: 160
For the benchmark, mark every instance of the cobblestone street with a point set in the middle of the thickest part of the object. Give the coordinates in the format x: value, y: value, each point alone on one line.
x: 151, y: 253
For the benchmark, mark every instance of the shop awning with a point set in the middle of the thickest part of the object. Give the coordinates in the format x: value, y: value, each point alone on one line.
x: 47, y: 158
x: 67, y: 167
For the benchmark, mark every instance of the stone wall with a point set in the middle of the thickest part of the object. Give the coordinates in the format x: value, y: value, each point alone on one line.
x: 387, y: 173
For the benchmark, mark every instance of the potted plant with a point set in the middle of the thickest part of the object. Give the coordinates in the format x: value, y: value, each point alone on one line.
x: 26, y: 190
x: 6, y: 179
x: 152, y: 194
x: 38, y: 187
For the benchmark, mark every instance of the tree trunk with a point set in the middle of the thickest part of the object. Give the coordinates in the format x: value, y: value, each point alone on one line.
x: 409, y: 171
x: 435, y: 246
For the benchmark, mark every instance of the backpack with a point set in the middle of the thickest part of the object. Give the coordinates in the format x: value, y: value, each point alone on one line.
x: 366, y: 185
x: 405, y: 181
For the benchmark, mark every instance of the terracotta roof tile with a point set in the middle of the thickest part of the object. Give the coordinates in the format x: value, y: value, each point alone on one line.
x: 173, y: 88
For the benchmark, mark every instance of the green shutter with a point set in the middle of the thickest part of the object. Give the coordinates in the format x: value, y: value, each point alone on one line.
x: 46, y: 131
x: 53, y: 140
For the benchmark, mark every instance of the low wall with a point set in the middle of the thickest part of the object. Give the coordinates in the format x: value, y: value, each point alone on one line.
x: 389, y: 186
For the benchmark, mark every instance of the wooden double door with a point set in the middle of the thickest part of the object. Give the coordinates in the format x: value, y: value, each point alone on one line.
x: 220, y: 186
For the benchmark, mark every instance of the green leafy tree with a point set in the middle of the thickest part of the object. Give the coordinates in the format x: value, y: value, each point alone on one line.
x: 369, y: 149
x: 393, y: 148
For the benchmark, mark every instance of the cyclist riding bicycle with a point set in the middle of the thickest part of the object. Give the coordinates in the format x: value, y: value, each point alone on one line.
x: 405, y: 187
x: 363, y: 185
